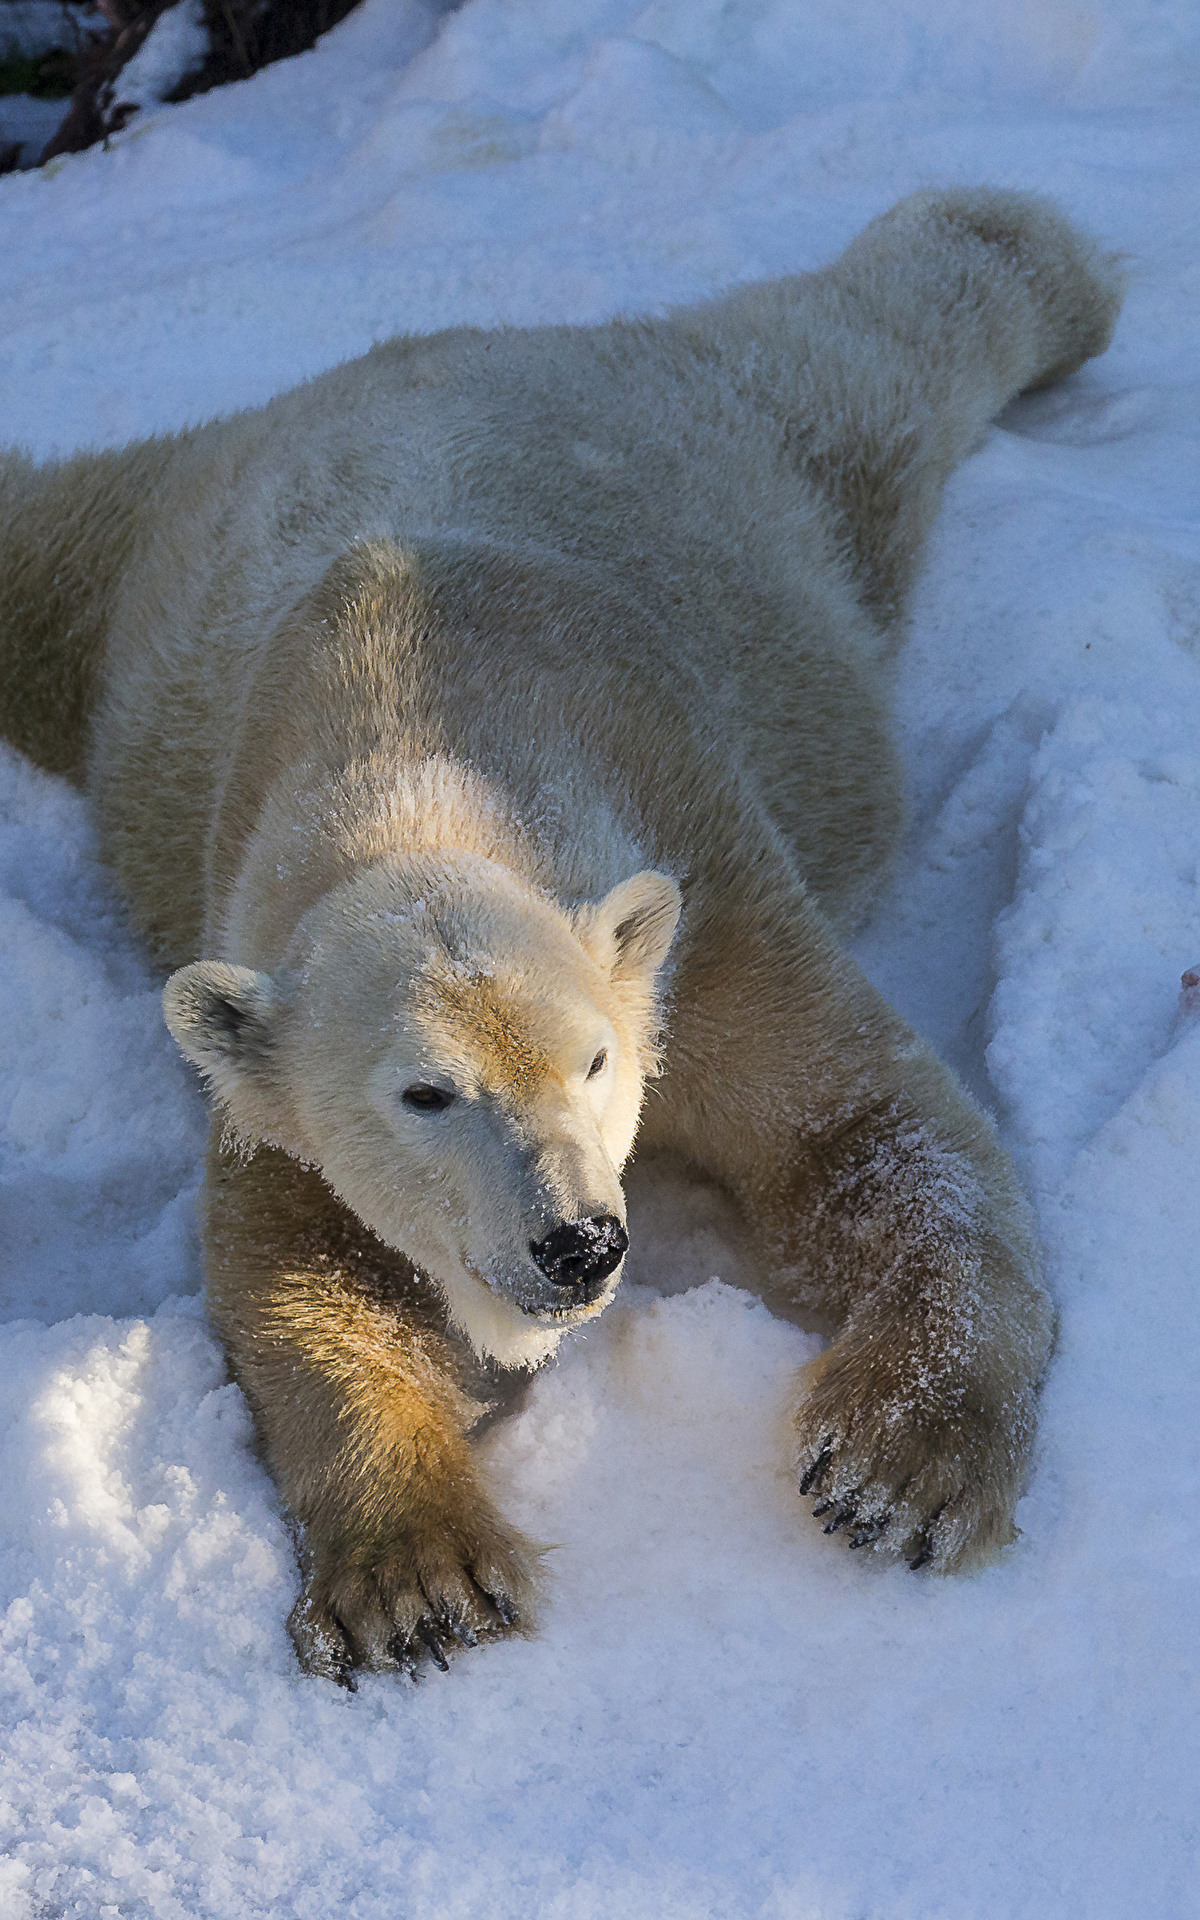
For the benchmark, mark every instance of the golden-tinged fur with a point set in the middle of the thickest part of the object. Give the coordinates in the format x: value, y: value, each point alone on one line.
x: 414, y: 705
x: 370, y: 1406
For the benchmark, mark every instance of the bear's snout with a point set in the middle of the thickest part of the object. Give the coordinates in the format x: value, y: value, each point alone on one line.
x: 579, y: 1254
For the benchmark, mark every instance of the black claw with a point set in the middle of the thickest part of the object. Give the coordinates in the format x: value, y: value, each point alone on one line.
x: 434, y: 1645
x: 869, y: 1531
x: 344, y: 1673
x: 504, y: 1609
x: 823, y: 1507
x: 812, y: 1477
x: 400, y: 1650
x: 841, y: 1518
x: 464, y: 1634
x: 925, y: 1551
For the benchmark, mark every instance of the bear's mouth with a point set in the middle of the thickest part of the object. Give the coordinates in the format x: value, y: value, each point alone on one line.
x: 527, y: 1292
x: 586, y: 1300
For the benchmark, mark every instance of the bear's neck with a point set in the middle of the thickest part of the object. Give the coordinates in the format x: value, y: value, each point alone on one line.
x: 367, y: 734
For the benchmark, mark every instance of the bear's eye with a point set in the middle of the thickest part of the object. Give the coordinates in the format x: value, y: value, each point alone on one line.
x: 598, y: 1064
x: 426, y: 1099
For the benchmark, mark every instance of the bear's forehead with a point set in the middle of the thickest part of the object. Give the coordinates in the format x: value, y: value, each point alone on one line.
x: 477, y: 1015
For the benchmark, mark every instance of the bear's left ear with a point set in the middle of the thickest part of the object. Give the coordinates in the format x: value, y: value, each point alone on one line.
x: 224, y: 1018
x: 630, y: 931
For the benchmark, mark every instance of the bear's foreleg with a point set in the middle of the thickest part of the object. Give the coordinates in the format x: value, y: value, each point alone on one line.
x: 363, y: 1416
x: 917, y: 1422
x: 876, y: 1195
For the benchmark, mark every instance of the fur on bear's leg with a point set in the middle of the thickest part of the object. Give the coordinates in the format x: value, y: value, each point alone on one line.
x: 876, y: 1196
x: 68, y: 530
x: 917, y: 1423
x: 455, y: 1577
x: 1006, y: 277
x: 936, y: 316
x: 363, y: 1407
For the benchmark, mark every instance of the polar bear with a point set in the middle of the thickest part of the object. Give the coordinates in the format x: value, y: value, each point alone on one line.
x: 493, y: 735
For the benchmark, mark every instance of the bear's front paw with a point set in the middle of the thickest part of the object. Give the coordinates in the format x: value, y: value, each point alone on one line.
x: 413, y: 1600
x: 905, y: 1458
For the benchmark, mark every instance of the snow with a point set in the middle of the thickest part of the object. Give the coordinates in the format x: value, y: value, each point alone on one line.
x: 30, y: 27
x: 725, y: 1714
x: 29, y: 123
x: 176, y: 45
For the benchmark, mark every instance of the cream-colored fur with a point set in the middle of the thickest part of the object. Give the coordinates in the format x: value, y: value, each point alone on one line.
x: 412, y: 705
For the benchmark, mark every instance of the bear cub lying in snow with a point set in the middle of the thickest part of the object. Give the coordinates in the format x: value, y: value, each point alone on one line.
x: 418, y: 703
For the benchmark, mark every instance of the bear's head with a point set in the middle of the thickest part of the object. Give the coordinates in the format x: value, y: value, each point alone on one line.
x: 464, y: 1060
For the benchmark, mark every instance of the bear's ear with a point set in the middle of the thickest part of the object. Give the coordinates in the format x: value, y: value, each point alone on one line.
x: 630, y: 931
x: 224, y: 1018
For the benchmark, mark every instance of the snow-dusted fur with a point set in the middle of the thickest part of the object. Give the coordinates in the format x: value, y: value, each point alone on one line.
x: 410, y: 703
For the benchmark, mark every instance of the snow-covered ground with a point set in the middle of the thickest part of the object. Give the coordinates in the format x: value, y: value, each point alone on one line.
x: 725, y: 1714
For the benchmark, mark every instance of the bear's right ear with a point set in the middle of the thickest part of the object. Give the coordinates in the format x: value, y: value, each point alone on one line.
x: 225, y: 1019
x: 630, y: 931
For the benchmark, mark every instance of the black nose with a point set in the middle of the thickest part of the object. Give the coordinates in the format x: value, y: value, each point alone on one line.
x: 581, y: 1252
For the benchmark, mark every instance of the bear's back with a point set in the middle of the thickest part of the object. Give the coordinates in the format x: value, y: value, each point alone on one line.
x: 644, y: 456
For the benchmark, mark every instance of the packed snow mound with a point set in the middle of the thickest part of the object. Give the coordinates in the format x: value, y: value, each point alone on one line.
x: 102, y: 1127
x: 725, y: 1714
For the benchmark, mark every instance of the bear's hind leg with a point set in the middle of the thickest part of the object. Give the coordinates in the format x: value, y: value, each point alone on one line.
x: 939, y: 313
x: 67, y: 532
